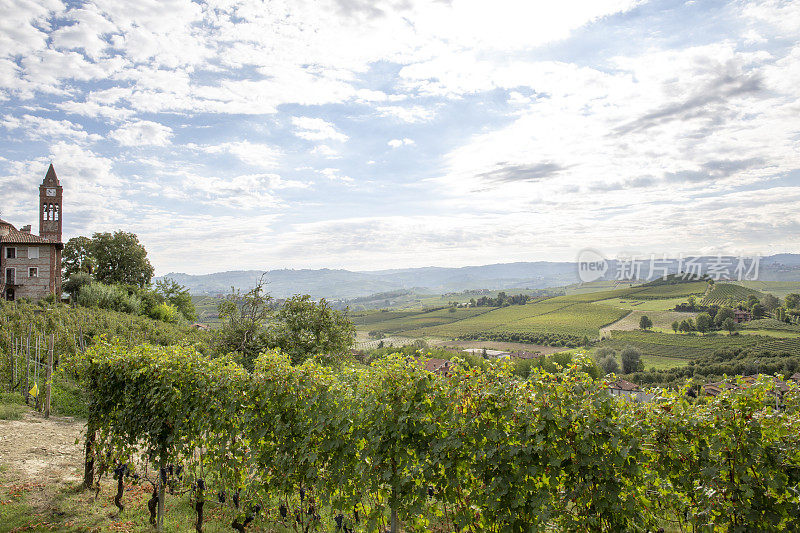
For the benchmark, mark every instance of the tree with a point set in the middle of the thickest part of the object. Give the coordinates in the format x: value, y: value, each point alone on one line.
x: 645, y: 322
x: 692, y: 302
x: 178, y: 296
x: 770, y: 302
x: 609, y: 364
x: 77, y: 257
x: 631, y: 360
x: 676, y: 326
x: 723, y: 314
x: 758, y: 311
x: 792, y: 301
x: 305, y: 328
x: 120, y: 258
x: 729, y: 325
x: 73, y: 285
x: 703, y: 322
x: 244, y: 320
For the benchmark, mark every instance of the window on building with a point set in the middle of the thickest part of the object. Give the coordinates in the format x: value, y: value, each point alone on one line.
x: 33, y: 252
x: 11, y: 276
x: 11, y: 253
x: 55, y: 212
x: 33, y: 272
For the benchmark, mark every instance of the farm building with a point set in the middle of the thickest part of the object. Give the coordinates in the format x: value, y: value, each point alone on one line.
x: 524, y: 354
x: 740, y: 316
x: 629, y: 390
x: 438, y: 366
x: 715, y: 389
x: 498, y: 354
x: 30, y: 264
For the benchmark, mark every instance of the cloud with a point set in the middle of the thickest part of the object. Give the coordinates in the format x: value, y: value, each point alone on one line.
x: 334, y: 174
x: 397, y: 143
x: 253, y: 154
x: 35, y: 127
x: 316, y: 129
x: 142, y: 132
x: 532, y: 172
x: 412, y: 114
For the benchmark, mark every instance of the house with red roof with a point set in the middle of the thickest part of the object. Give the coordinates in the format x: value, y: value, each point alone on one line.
x: 30, y: 264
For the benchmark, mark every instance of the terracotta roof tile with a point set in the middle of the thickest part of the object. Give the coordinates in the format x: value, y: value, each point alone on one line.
x: 19, y: 237
x: 621, y: 384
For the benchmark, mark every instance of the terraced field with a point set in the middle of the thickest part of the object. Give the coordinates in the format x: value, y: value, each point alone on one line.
x: 644, y: 305
x: 776, y: 288
x: 693, y: 346
x: 771, y: 324
x: 677, y: 290
x: 722, y: 292
x: 406, y: 321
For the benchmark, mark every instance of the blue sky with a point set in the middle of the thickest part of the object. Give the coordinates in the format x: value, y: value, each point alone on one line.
x: 362, y: 134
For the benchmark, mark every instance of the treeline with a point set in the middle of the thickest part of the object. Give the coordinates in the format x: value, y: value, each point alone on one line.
x: 111, y: 271
x: 545, y: 339
x: 476, y: 450
x: 727, y: 362
x: 501, y: 300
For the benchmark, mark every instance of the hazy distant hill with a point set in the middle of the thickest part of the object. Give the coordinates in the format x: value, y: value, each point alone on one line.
x: 338, y: 284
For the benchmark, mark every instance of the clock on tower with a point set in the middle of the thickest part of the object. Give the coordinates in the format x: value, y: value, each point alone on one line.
x: 50, y: 207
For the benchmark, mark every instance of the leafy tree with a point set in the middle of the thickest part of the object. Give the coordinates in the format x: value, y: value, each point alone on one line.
x: 792, y: 301
x: 676, y: 326
x: 73, y: 285
x: 77, y: 257
x: 729, y: 325
x: 645, y: 322
x: 244, y: 320
x: 758, y: 311
x: 120, y: 258
x: 609, y: 364
x: 692, y: 302
x: 305, y: 328
x: 631, y: 360
x: 178, y: 296
x: 723, y: 314
x: 752, y: 300
x: 770, y: 302
x: 703, y: 322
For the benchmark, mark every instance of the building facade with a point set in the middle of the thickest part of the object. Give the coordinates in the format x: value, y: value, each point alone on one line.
x: 30, y: 265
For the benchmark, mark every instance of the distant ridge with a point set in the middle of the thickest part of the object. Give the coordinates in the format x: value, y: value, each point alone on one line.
x: 342, y: 284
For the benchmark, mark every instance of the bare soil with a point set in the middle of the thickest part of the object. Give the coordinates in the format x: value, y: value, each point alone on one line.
x: 42, y: 455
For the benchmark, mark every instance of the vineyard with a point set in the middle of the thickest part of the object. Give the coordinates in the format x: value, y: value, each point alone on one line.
x: 722, y: 293
x: 682, y: 346
x: 401, y: 321
x: 392, y: 445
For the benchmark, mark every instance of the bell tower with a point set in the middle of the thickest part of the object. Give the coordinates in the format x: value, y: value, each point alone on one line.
x: 50, y: 213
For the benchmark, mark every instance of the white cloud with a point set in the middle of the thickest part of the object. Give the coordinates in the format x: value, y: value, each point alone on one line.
x: 34, y: 127
x: 397, y: 143
x: 411, y: 114
x: 334, y: 174
x: 143, y: 132
x: 254, y: 154
x: 317, y: 129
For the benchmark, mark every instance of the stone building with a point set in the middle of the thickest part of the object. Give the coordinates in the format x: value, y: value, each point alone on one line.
x: 30, y: 265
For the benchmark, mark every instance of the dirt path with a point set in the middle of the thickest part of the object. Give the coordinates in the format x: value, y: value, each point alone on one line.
x: 42, y: 455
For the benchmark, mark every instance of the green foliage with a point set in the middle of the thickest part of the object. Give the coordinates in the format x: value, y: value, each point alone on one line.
x: 703, y: 322
x: 77, y: 257
x: 111, y: 297
x: 166, y: 313
x: 475, y: 450
x: 792, y: 301
x: 730, y: 294
x: 120, y: 258
x: 76, y: 281
x: 645, y: 322
x: 177, y: 296
x: 305, y: 328
x: 631, y: 359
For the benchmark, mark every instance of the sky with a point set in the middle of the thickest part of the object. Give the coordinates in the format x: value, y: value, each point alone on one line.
x: 363, y: 134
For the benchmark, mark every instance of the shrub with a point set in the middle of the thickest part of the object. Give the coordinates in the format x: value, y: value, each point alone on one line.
x: 165, y: 313
x: 109, y: 297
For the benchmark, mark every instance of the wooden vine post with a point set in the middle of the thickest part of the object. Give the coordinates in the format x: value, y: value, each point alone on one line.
x: 49, y: 377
